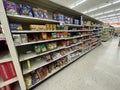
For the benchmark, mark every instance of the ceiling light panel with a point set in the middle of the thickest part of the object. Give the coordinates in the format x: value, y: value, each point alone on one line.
x: 103, y: 6
x: 77, y: 3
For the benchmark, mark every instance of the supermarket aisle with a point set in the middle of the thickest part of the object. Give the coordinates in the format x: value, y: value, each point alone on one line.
x: 98, y: 70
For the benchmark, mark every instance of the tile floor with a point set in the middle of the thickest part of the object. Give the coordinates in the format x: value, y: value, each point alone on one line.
x: 97, y: 70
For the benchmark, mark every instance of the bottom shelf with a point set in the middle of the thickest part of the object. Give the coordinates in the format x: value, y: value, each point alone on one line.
x: 2, y: 84
x: 58, y: 69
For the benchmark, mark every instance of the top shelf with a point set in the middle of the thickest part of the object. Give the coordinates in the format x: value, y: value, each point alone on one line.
x: 28, y: 19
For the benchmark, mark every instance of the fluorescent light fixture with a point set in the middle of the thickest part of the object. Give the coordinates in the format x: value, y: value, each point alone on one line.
x: 109, y: 16
x: 96, y: 15
x: 113, y: 18
x: 78, y: 3
x: 116, y: 2
x: 106, y: 5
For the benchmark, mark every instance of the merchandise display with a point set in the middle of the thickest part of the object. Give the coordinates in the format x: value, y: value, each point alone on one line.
x: 66, y: 19
x: 41, y: 73
x: 42, y: 42
x: 23, y: 9
x: 106, y: 34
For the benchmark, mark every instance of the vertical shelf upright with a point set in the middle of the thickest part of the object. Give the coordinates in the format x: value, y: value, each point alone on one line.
x: 9, y: 40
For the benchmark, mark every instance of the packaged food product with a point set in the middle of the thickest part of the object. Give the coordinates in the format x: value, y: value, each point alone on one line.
x: 25, y: 10
x: 54, y: 44
x: 47, y: 57
x: 35, y: 77
x: 42, y: 72
x: 54, y: 27
x: 51, y: 67
x: 14, y: 26
x: 45, y: 14
x: 28, y: 80
x: 54, y: 35
x: 62, y: 52
x: 42, y: 27
x: 34, y: 27
x: 40, y: 12
x: 35, y: 12
x: 55, y: 16
x: 65, y: 34
x: 24, y: 38
x: 50, y: 46
x: 50, y: 27
x: 36, y: 37
x: 58, y: 35
x: 44, y: 35
x: 28, y: 64
x: 17, y: 38
x: 37, y: 49
x: 10, y: 7
x: 47, y: 26
x: 43, y: 47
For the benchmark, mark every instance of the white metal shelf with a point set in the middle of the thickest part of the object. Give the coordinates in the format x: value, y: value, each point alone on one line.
x: 36, y: 31
x: 43, y: 41
x: 94, y: 43
x: 2, y: 84
x: 74, y: 25
x: 24, y: 57
x: 43, y: 63
x: 5, y: 57
x: 39, y: 31
x: 86, y: 40
x: 74, y: 45
x: 56, y: 70
x: 28, y: 19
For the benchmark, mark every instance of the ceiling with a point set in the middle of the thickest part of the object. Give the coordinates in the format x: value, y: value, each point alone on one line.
x: 103, y: 10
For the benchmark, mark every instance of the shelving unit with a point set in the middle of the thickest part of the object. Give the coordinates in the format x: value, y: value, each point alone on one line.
x: 57, y: 70
x: 33, y: 55
x: 82, y: 46
x: 21, y: 18
x: 5, y: 57
x: 2, y: 84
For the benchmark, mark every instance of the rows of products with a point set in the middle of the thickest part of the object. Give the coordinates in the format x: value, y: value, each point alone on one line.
x: 36, y: 27
x: 50, y: 51
x: 106, y: 34
x: 34, y: 37
x: 44, y: 47
x: 67, y: 20
x: 48, y: 57
x: 23, y: 9
x: 39, y: 74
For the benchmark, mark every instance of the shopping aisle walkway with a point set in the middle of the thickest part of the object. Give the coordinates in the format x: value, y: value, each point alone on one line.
x: 98, y: 70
